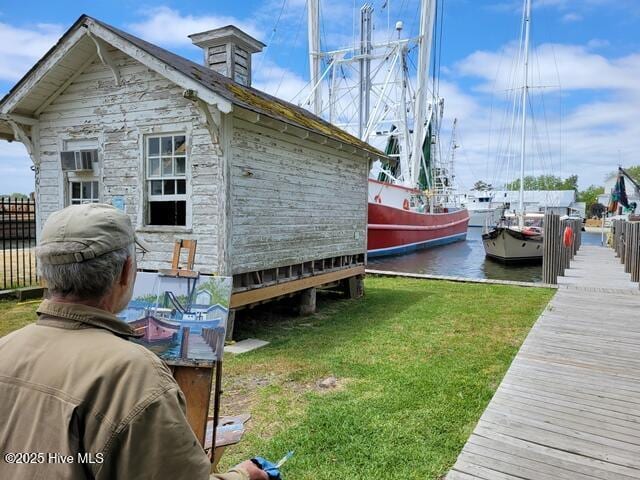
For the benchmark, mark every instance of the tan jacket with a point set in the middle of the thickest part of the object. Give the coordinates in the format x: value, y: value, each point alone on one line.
x: 85, y: 403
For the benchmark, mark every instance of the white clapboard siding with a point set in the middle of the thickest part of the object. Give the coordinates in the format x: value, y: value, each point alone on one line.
x: 293, y: 200
x: 93, y: 106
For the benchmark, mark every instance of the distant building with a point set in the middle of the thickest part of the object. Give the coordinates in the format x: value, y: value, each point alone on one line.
x: 562, y: 202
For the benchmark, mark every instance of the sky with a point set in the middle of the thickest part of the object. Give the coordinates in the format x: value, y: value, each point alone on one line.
x: 585, y: 64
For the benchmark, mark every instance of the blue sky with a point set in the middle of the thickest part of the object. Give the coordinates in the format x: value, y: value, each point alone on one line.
x: 590, y: 48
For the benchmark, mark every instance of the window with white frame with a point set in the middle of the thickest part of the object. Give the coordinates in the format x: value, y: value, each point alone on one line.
x: 82, y: 180
x: 166, y: 166
x: 83, y: 192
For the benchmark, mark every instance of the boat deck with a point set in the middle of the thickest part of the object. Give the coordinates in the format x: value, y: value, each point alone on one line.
x: 569, y: 405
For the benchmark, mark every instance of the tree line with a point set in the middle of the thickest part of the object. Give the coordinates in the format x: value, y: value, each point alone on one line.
x: 550, y: 182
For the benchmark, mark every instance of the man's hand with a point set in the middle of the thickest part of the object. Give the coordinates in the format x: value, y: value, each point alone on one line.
x: 255, y: 472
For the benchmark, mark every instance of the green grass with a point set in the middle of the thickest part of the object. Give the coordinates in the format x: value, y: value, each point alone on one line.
x: 416, y: 362
x: 14, y: 315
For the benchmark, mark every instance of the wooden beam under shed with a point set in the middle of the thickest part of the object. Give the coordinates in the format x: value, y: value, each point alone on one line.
x: 248, y: 297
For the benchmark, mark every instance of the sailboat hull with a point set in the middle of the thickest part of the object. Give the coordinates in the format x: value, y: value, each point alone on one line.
x: 395, y: 231
x: 512, y: 246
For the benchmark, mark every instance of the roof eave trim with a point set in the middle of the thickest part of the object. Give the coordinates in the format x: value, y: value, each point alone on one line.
x: 148, y: 60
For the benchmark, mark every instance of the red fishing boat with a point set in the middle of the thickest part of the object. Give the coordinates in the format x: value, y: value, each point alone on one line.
x: 155, y: 330
x: 393, y: 104
x: 399, y: 223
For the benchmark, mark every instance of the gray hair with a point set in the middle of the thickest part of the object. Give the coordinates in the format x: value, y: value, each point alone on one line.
x: 91, y: 279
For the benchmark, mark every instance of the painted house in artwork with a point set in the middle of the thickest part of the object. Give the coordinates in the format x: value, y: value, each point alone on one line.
x: 275, y: 196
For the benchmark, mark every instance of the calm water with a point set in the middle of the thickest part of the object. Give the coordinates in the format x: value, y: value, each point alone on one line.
x: 465, y: 259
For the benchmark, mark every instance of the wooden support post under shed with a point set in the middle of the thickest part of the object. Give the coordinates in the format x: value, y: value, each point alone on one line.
x: 308, y: 301
x: 354, y: 286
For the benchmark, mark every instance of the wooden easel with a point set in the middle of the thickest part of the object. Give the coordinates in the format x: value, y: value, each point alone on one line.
x: 176, y: 270
x: 195, y: 377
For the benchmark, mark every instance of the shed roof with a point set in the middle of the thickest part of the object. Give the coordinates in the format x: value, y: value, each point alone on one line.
x: 220, y: 86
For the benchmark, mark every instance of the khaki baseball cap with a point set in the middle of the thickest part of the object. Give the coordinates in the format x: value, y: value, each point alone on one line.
x: 98, y: 228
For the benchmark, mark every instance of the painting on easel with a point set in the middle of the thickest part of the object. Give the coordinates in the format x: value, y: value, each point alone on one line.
x: 179, y: 317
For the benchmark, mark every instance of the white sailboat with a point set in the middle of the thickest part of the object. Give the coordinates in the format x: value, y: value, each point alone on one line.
x: 519, y: 237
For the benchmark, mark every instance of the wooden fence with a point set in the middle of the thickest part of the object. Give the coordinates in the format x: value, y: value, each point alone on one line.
x: 562, y: 240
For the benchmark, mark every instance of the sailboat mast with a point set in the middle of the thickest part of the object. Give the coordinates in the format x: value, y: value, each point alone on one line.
x: 427, y: 18
x: 313, y: 17
x: 525, y: 95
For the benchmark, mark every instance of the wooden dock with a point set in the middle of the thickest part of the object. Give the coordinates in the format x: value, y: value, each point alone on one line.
x: 569, y: 406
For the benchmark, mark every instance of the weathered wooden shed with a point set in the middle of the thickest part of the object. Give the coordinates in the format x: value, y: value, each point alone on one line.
x: 274, y: 195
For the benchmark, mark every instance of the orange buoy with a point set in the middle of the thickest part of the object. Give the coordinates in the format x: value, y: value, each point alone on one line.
x: 567, y: 238
x: 405, y: 204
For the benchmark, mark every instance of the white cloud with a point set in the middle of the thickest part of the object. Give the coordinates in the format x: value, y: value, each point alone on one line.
x: 573, y: 67
x: 597, y: 131
x: 571, y: 17
x: 21, y: 47
x: 281, y: 82
x: 168, y: 27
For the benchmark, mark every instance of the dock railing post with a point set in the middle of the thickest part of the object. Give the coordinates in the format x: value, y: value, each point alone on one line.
x: 566, y: 257
x: 628, y: 247
x: 623, y: 240
x: 551, y: 249
x: 561, y: 249
x: 635, y: 252
x: 184, y: 344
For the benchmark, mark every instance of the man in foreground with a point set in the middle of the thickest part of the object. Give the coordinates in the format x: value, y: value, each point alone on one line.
x: 78, y: 400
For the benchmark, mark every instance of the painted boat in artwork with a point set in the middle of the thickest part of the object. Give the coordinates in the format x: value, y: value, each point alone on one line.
x: 398, y: 222
x: 155, y: 330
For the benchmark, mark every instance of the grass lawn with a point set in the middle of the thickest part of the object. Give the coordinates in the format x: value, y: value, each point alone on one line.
x: 416, y: 363
x: 14, y: 315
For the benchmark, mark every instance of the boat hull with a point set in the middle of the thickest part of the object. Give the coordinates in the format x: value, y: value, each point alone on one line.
x: 511, y: 246
x: 485, y: 217
x: 155, y: 330
x: 393, y: 231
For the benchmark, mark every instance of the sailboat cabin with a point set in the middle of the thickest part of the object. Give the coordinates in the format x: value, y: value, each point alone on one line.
x: 274, y: 196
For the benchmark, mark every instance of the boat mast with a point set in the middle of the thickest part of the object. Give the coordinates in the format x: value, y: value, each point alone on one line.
x: 365, y: 67
x: 525, y: 95
x: 313, y: 17
x: 427, y: 18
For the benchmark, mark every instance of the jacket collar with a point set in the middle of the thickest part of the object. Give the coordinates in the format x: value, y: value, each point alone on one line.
x: 64, y: 315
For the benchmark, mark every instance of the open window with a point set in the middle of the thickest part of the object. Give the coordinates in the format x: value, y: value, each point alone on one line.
x: 166, y: 167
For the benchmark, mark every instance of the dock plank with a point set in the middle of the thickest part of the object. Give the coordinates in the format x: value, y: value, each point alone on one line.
x: 569, y: 405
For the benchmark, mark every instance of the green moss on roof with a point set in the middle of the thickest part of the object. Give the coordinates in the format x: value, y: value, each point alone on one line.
x: 289, y: 113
